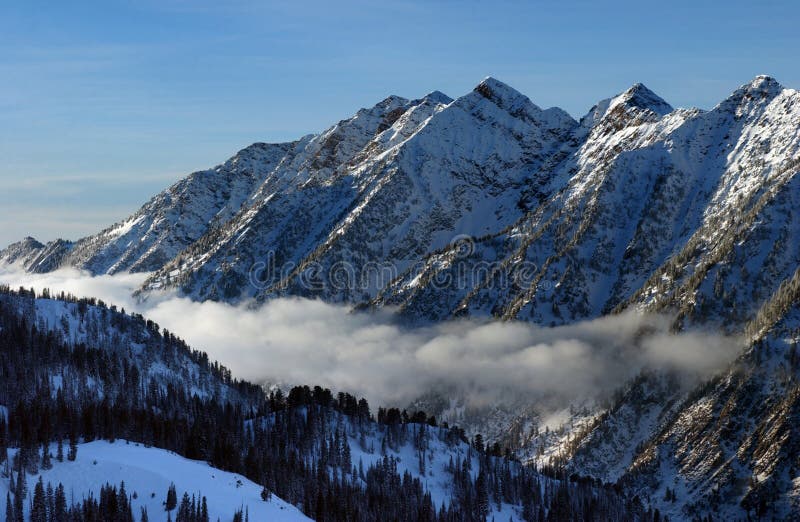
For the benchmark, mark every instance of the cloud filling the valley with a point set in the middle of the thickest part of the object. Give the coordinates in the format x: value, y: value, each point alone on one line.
x: 299, y: 341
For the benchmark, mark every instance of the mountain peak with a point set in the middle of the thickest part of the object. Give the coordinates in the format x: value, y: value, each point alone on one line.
x: 759, y: 90
x: 501, y: 94
x: 390, y: 101
x: 438, y: 97
x: 31, y: 240
x: 27, y: 242
x: 638, y: 95
x: 762, y: 84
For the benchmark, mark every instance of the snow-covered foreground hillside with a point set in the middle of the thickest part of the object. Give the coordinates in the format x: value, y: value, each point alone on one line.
x: 148, y: 473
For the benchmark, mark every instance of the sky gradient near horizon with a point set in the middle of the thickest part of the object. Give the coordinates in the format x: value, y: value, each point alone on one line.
x: 102, y: 104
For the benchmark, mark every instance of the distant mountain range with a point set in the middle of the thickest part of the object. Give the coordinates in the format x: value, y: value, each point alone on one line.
x: 489, y: 206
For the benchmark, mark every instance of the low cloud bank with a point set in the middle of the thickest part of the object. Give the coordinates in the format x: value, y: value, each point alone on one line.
x: 310, y: 342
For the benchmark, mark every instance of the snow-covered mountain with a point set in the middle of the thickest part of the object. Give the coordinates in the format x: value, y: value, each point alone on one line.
x: 165, y: 225
x: 728, y: 448
x: 527, y: 213
x: 687, y: 209
x: 383, y: 188
x: 490, y: 206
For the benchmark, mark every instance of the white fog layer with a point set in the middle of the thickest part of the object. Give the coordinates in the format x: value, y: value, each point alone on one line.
x: 299, y: 341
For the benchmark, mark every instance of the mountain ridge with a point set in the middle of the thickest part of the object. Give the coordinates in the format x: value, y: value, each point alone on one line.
x: 392, y: 186
x: 388, y: 193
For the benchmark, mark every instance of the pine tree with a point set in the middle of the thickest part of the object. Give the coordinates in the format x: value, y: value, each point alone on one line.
x: 60, y: 450
x: 9, y: 508
x: 60, y: 512
x: 46, y: 461
x: 204, y: 511
x: 22, y: 486
x: 481, y: 496
x: 72, y: 454
x: 51, y: 500
x: 172, y: 498
x: 19, y: 514
x: 124, y: 510
x: 477, y: 443
x: 185, y: 510
x: 143, y: 516
x: 39, y: 503
x: 3, y: 440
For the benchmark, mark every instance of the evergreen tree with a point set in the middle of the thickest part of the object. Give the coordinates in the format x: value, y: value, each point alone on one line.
x: 51, y: 501
x: 20, y: 494
x: 9, y: 508
x: 60, y: 509
x: 172, y: 498
x: 46, y: 460
x: 481, y: 496
x: 19, y: 514
x: 185, y: 510
x: 204, y: 511
x: 39, y: 503
x: 72, y: 454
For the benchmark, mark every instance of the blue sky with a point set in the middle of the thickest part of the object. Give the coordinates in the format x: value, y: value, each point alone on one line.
x: 102, y: 104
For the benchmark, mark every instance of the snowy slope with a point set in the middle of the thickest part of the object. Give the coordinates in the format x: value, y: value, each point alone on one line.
x: 646, y: 198
x: 560, y: 220
x: 421, y: 451
x: 137, y: 340
x: 558, y: 239
x: 732, y: 446
x: 442, y: 169
x: 148, y: 473
x: 728, y: 447
x: 165, y: 225
x: 437, y: 455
